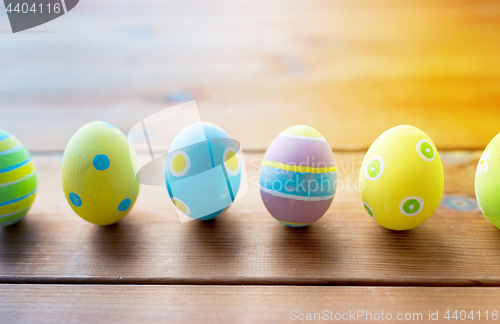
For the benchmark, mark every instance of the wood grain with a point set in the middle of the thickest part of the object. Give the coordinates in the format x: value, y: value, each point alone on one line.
x: 351, y: 69
x: 230, y: 304
x: 247, y: 246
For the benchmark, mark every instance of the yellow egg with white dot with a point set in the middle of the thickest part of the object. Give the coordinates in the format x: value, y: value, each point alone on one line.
x: 401, y: 178
x: 98, y: 174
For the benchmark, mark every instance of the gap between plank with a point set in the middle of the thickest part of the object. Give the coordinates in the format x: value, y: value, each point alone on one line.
x: 457, y: 283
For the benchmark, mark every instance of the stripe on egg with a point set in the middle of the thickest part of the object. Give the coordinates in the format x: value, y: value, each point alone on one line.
x: 11, y: 150
x: 17, y: 173
x: 4, y: 136
x: 296, y: 197
x: 17, y: 206
x: 299, y: 168
x: 296, y: 185
x: 4, y: 216
x: 15, y: 190
x: 14, y: 158
x: 6, y: 184
x: 11, y: 218
x: 17, y: 199
x: 16, y: 166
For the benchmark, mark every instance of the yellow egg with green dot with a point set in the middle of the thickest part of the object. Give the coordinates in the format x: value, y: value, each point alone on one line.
x: 98, y: 175
x: 401, y: 178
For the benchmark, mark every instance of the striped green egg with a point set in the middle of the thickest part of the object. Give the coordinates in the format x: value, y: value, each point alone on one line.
x: 98, y: 174
x: 18, y: 181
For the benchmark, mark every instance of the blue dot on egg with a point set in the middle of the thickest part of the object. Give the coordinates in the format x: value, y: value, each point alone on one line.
x: 75, y: 199
x: 101, y: 162
x: 125, y: 204
x: 108, y: 125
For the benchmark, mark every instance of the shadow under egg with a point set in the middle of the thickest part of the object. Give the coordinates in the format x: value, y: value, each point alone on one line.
x: 418, y: 252
x: 116, y: 246
x: 210, y: 244
x: 16, y: 241
x: 305, y: 249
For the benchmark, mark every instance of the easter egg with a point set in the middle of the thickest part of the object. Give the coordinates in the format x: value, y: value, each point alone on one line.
x: 97, y: 174
x: 401, y: 179
x: 203, y: 170
x: 487, y: 182
x: 298, y: 176
x: 18, y: 180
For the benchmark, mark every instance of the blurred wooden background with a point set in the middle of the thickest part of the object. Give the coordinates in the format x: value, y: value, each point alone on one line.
x: 351, y: 69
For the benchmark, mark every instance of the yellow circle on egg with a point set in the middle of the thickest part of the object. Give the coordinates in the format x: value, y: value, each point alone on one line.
x: 181, y: 206
x: 179, y: 163
x: 232, y: 161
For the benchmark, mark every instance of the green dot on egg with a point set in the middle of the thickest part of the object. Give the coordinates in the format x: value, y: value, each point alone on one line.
x: 411, y: 206
x: 427, y: 150
x: 373, y: 168
x: 369, y: 211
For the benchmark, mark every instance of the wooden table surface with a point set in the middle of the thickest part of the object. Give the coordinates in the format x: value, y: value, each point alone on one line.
x: 351, y: 69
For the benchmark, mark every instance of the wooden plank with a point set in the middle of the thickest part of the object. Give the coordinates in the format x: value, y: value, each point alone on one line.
x: 231, y: 304
x: 247, y: 246
x: 351, y: 69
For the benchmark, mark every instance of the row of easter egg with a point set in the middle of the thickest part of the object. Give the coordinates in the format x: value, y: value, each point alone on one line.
x: 401, y: 179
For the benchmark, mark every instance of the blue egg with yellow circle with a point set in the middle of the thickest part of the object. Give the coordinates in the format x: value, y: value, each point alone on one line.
x: 203, y: 170
x: 18, y: 180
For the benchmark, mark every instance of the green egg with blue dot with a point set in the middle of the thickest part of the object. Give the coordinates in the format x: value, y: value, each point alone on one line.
x: 98, y: 174
x: 18, y: 180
